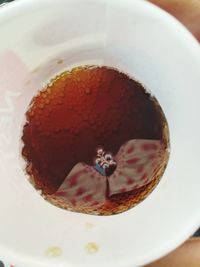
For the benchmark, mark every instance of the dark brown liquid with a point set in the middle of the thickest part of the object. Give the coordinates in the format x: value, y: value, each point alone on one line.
x: 79, y: 111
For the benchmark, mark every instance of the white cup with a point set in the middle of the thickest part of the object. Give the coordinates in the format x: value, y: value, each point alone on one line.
x: 42, y: 38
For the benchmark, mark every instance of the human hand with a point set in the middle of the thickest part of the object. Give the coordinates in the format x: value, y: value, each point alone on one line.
x: 187, y: 11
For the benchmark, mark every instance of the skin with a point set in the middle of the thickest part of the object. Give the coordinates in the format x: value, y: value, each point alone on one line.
x: 187, y: 12
x: 187, y: 255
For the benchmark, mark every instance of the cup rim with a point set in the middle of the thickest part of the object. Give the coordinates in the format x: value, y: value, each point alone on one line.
x: 193, y: 43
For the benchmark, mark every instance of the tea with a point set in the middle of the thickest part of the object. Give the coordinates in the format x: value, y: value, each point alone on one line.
x: 95, y: 141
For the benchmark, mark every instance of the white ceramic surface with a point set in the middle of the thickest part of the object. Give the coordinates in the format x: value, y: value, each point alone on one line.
x: 40, y: 38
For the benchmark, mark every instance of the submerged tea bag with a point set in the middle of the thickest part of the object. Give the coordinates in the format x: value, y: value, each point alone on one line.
x: 137, y: 162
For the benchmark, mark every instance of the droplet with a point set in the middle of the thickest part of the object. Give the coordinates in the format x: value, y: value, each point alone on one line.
x: 89, y: 225
x: 53, y: 252
x: 31, y: 114
x: 91, y: 248
x: 41, y: 106
x: 88, y: 91
x: 36, y: 69
x: 60, y: 61
x: 44, y: 95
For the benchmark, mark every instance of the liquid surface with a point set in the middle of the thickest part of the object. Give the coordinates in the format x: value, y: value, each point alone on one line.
x: 80, y: 112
